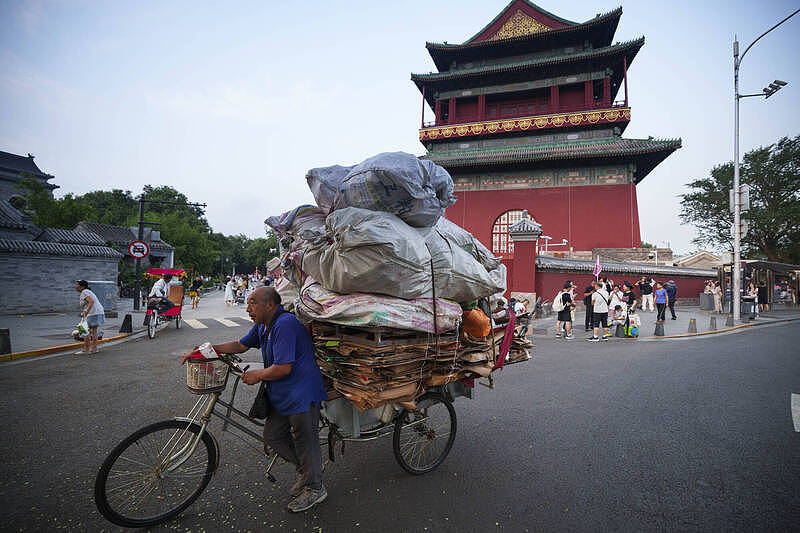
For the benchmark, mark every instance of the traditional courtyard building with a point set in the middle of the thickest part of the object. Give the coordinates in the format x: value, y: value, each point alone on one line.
x: 529, y: 115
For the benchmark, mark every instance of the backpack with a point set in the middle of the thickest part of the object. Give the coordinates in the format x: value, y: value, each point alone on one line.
x: 558, y: 302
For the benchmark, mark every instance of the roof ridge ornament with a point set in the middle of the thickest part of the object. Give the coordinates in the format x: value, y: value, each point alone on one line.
x: 520, y: 23
x: 525, y: 229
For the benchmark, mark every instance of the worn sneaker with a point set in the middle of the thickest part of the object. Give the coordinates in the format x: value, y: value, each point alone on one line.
x: 569, y: 337
x: 594, y: 339
x: 606, y: 335
x: 605, y: 338
x: 558, y: 335
x: 299, y: 485
x: 308, y: 499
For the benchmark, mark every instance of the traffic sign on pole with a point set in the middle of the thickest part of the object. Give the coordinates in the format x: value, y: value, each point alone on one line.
x: 138, y: 249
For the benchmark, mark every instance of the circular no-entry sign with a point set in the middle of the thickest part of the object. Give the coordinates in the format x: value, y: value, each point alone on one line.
x: 138, y: 249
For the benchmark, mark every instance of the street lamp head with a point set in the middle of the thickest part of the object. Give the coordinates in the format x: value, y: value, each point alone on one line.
x: 774, y: 87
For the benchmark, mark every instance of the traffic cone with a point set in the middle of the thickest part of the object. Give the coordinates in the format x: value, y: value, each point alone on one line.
x: 659, y: 328
x: 712, y: 325
x: 692, y: 325
x: 127, y: 324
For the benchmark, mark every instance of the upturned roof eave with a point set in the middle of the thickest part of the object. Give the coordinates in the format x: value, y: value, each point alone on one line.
x: 628, y: 46
x: 609, y: 17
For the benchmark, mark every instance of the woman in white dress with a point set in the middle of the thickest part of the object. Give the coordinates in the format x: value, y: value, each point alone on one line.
x: 229, y: 292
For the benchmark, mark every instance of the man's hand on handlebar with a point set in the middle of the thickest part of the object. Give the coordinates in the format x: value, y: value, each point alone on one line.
x: 251, y: 378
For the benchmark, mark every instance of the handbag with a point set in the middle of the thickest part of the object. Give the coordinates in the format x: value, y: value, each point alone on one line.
x: 261, y: 405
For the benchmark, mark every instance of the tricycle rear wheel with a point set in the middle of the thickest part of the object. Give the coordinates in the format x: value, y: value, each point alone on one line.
x: 424, y: 436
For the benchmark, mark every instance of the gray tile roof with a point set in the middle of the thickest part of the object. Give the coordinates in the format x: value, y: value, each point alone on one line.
x: 19, y: 163
x: 10, y: 217
x: 562, y: 263
x: 109, y: 233
x: 67, y: 236
x: 8, y: 246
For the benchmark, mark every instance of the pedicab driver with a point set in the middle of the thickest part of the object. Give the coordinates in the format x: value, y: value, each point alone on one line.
x: 294, y: 387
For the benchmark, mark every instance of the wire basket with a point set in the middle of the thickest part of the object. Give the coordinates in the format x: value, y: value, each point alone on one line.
x: 205, y: 376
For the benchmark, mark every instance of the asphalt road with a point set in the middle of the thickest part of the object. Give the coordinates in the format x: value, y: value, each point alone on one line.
x: 623, y: 435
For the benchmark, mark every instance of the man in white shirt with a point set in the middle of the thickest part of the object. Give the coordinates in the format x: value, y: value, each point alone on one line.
x: 157, y: 299
x: 599, y: 312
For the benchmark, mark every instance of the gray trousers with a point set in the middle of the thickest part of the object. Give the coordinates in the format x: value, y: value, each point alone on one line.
x: 296, y: 439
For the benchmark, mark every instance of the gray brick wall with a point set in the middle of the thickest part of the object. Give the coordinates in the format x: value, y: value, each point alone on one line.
x: 39, y: 284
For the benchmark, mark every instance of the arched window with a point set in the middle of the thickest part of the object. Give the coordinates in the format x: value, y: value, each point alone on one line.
x: 502, y: 244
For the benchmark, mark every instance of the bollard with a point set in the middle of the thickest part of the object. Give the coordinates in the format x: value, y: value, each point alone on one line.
x: 729, y: 320
x: 692, y: 325
x: 659, y: 328
x: 620, y: 331
x: 712, y: 325
x: 127, y: 324
x: 5, y: 341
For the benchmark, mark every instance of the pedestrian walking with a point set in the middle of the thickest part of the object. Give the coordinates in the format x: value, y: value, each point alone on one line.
x: 662, y: 299
x: 587, y: 303
x: 599, y: 313
x: 717, y: 292
x: 564, y: 305
x: 646, y: 292
x: 91, y: 310
x: 672, y: 294
x: 763, y: 297
x: 229, y: 300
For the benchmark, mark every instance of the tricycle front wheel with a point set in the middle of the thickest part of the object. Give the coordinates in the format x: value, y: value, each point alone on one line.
x: 424, y: 436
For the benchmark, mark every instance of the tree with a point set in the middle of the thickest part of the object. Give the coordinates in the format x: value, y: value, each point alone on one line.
x: 48, y: 212
x: 773, y: 174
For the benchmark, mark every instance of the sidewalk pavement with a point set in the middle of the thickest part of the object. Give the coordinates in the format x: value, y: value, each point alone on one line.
x: 680, y: 326
x: 37, y: 331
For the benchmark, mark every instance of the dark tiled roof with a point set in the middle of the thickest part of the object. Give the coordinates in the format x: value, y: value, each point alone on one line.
x: 66, y: 236
x: 10, y: 217
x: 19, y: 163
x: 161, y: 245
x: 109, y: 233
x: 561, y: 263
x: 612, y: 146
x: 570, y: 28
x: 57, y: 249
x: 634, y: 46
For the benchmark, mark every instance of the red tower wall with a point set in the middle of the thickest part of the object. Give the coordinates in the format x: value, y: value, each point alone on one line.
x: 595, y: 216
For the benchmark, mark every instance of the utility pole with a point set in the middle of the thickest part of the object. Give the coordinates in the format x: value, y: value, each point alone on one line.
x: 737, y: 191
x: 137, y: 286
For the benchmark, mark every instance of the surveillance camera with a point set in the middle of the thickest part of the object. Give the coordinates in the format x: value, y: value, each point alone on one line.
x: 651, y: 255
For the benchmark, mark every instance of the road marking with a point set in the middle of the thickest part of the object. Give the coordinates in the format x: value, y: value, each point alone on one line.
x: 226, y: 322
x: 194, y: 323
x: 796, y: 411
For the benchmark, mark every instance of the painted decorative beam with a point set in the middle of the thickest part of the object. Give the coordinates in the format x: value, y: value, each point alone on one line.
x: 559, y: 120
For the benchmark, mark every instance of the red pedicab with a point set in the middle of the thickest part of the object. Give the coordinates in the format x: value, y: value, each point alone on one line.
x: 174, y: 295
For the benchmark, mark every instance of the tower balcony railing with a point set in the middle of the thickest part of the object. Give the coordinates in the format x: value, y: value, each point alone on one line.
x: 543, y: 110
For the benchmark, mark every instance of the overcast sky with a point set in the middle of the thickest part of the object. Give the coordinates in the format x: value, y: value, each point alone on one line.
x: 231, y: 102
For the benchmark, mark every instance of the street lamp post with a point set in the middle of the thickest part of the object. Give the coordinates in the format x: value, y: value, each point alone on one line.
x: 737, y: 193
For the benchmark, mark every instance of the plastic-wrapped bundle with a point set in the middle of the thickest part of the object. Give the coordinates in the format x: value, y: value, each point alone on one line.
x: 461, y: 237
x: 373, y: 310
x: 418, y: 191
x: 371, y: 252
x: 324, y: 183
x: 305, y: 221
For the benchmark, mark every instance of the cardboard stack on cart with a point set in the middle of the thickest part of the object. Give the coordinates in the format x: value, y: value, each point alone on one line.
x: 383, y: 280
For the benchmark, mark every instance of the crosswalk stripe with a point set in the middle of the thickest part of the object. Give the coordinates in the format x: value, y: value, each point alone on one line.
x: 226, y: 322
x: 194, y: 323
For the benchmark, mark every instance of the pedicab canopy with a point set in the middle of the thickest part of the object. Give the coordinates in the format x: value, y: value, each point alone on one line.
x: 158, y: 272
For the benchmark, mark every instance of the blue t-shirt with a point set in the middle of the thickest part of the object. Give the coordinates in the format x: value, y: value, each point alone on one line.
x: 661, y: 296
x: 289, y: 342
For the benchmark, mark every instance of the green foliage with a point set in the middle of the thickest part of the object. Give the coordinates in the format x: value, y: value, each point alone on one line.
x: 646, y: 244
x: 47, y: 212
x: 773, y: 173
x: 197, y: 248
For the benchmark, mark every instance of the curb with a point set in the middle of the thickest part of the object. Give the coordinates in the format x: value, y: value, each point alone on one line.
x: 723, y: 330
x: 60, y: 348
